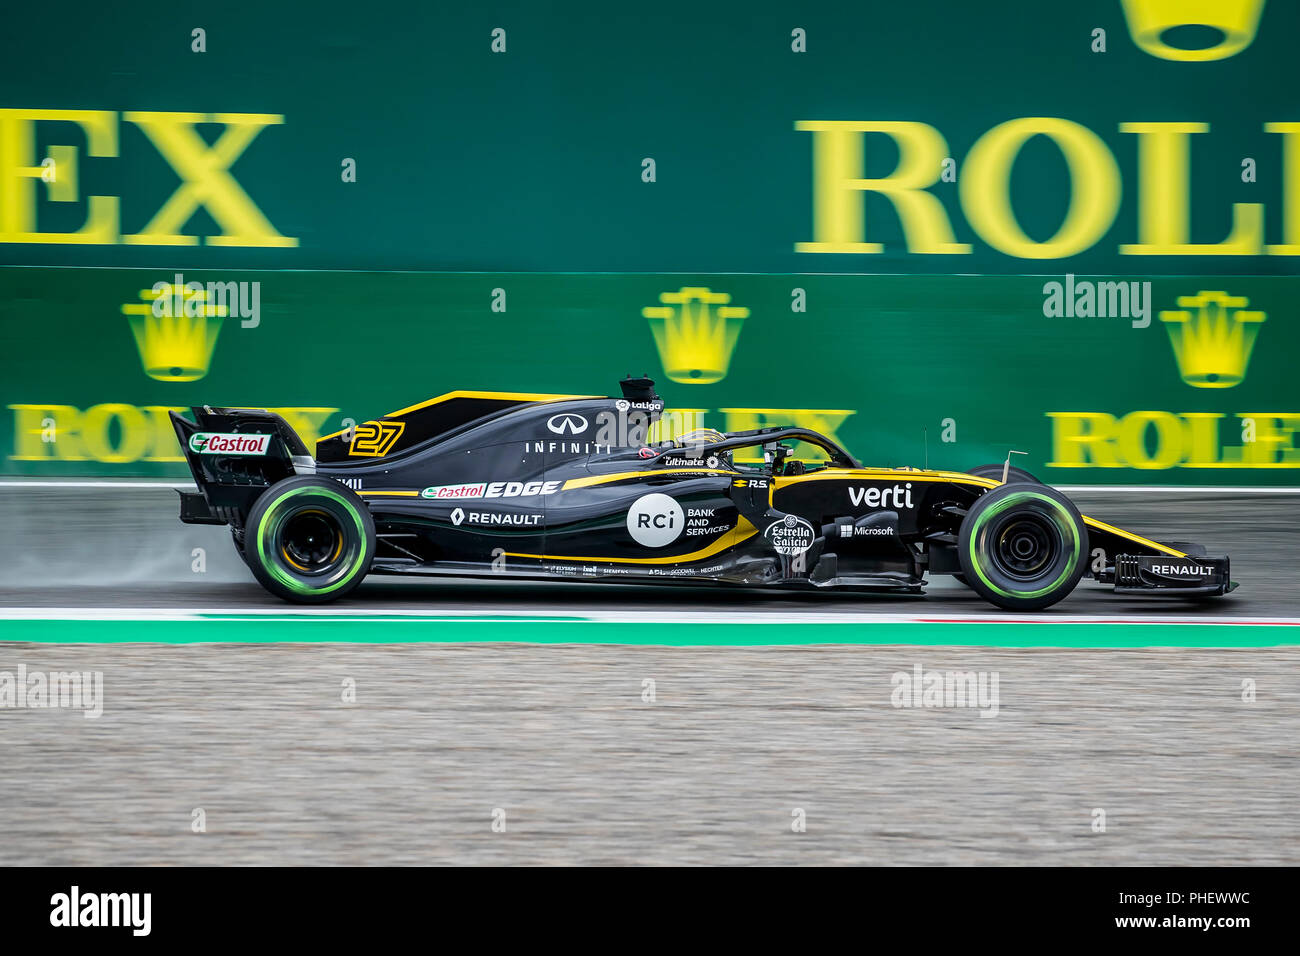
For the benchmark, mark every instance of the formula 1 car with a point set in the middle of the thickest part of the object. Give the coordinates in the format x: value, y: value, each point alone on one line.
x: 568, y: 486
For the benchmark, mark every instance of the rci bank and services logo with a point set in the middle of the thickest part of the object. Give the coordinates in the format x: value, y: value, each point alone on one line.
x: 1193, y: 30
x: 1212, y: 336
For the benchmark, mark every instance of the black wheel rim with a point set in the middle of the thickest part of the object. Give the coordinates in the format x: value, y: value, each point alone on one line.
x: 311, y: 541
x: 1025, y: 546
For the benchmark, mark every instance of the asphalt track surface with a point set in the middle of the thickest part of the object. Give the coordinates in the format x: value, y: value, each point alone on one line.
x: 561, y: 739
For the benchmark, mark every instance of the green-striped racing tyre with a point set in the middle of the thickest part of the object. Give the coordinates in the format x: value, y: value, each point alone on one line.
x: 995, y: 472
x: 309, y: 539
x: 1022, y: 547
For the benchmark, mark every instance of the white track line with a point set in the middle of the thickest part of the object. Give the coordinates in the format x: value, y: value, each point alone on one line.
x: 602, y: 616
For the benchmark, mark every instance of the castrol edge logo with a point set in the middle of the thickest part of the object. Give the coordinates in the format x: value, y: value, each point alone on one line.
x: 220, y: 443
x: 492, y: 489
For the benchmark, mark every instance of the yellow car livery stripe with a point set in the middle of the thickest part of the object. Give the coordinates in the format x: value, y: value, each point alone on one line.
x: 885, y: 474
x: 505, y: 396
x: 628, y: 475
x: 1102, y: 526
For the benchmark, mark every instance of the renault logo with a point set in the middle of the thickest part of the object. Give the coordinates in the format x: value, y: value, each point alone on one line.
x: 567, y: 424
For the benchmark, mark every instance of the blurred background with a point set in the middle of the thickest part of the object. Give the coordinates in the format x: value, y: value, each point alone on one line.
x: 935, y: 230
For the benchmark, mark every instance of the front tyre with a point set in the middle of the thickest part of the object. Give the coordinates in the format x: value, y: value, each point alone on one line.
x: 995, y: 472
x: 1022, y: 547
x: 309, y: 539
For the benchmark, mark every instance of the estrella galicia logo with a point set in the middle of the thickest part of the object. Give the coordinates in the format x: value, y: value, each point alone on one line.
x: 567, y: 423
x: 790, y: 535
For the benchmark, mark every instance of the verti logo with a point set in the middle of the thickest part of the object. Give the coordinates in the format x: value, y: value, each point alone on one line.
x: 1153, y: 24
x: 696, y: 331
x: 220, y: 443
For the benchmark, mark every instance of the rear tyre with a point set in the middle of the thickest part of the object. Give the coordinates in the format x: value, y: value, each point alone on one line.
x: 309, y: 540
x: 1022, y: 547
x: 995, y: 472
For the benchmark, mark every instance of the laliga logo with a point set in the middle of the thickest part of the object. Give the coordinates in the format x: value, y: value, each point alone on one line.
x: 1236, y: 22
x: 695, y: 339
x: 1213, y: 344
x: 567, y: 424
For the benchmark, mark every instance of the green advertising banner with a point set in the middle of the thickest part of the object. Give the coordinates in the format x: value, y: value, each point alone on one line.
x: 1112, y: 136
x: 1101, y: 380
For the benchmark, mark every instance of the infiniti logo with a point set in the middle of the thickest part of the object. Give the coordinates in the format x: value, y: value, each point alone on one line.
x: 567, y: 424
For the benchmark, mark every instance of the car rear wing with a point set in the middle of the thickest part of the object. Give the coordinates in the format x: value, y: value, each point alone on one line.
x: 234, y: 455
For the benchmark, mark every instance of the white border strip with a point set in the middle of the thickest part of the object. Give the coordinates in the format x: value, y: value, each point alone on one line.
x: 433, y: 615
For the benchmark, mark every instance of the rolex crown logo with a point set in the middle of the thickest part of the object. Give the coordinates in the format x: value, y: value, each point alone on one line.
x: 695, y: 331
x: 1157, y: 25
x: 175, y: 330
x: 1213, y: 343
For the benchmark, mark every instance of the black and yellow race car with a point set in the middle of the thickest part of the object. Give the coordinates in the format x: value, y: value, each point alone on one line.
x: 569, y: 486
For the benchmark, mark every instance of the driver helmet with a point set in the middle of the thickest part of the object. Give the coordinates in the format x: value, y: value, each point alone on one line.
x: 706, y: 436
